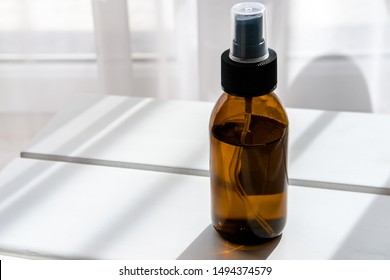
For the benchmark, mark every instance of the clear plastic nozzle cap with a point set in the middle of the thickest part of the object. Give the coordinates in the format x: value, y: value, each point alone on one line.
x: 248, y: 33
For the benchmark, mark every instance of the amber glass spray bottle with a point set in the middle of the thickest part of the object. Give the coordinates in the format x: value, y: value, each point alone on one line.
x: 248, y: 137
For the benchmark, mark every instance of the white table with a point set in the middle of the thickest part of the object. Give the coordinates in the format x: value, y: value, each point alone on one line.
x: 73, y: 211
x: 126, y: 178
x: 339, y: 150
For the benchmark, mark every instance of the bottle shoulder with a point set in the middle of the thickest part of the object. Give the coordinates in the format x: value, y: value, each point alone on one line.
x: 230, y: 107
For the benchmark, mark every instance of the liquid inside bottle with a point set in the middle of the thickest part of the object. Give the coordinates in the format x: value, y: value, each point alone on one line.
x: 249, y: 177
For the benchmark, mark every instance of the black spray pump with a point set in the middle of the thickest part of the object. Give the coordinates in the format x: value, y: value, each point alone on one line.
x: 249, y: 67
x: 248, y: 34
x: 248, y: 136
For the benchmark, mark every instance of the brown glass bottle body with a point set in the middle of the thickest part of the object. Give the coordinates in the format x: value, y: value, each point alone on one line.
x: 248, y: 167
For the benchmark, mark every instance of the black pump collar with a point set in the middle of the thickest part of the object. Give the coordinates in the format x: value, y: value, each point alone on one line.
x: 249, y: 79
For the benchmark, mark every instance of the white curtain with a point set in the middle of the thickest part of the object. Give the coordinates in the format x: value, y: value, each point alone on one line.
x: 175, y: 45
x: 47, y: 54
x: 331, y: 54
x: 160, y: 39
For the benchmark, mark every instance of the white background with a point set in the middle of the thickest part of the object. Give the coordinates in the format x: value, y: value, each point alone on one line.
x: 332, y: 54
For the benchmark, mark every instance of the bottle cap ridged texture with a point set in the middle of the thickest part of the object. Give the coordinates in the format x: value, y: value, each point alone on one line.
x: 249, y: 79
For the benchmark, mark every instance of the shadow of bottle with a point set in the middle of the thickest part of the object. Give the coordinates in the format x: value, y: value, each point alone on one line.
x: 210, y: 246
x: 330, y: 82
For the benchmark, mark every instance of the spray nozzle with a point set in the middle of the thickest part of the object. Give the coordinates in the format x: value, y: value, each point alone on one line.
x: 248, y: 33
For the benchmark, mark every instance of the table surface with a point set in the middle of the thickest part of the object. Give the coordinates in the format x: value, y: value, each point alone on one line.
x: 72, y: 211
x: 126, y: 178
x: 340, y: 150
